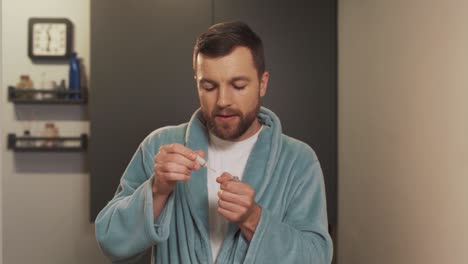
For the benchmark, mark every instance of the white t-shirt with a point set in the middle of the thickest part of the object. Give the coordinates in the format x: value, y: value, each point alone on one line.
x: 224, y: 156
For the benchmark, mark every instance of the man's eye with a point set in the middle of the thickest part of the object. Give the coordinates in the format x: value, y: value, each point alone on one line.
x: 208, y: 88
x: 239, y: 87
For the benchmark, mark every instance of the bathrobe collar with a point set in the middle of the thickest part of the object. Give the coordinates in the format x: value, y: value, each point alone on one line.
x: 258, y: 171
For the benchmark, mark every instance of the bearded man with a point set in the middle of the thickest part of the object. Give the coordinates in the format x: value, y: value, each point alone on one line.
x: 259, y: 198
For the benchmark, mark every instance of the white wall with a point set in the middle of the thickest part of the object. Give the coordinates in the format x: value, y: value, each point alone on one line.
x: 403, y: 132
x: 1, y: 137
x: 45, y: 196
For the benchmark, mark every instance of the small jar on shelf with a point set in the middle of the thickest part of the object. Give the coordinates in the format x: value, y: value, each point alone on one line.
x: 25, y: 87
x: 50, y: 131
x: 26, y: 142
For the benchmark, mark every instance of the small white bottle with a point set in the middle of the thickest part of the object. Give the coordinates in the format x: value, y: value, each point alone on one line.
x: 26, y: 142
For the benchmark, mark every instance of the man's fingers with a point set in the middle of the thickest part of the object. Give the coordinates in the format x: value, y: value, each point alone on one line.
x: 174, y: 167
x: 173, y: 176
x: 224, y: 178
x: 179, y: 149
x: 229, y: 215
x: 172, y: 163
x: 234, y: 198
x: 176, y: 158
x: 237, y: 187
x: 178, y: 153
x: 200, y: 153
x: 235, y: 208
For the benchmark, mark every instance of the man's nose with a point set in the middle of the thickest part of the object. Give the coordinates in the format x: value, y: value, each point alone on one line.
x: 224, y: 97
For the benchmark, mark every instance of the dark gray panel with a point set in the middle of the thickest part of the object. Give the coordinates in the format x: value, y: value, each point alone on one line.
x: 301, y: 56
x: 141, y: 79
x: 141, y: 70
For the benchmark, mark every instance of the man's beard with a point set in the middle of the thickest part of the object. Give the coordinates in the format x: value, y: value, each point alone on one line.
x: 226, y: 130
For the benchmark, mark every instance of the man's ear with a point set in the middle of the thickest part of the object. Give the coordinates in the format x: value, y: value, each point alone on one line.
x: 264, y: 83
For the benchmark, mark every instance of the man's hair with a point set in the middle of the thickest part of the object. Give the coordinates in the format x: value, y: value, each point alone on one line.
x: 222, y: 38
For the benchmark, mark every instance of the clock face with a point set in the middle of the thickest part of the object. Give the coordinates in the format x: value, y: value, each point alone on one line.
x: 49, y: 38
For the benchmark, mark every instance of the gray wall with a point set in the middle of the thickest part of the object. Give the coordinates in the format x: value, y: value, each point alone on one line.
x: 143, y: 80
x: 1, y: 147
x: 403, y: 132
x: 45, y: 196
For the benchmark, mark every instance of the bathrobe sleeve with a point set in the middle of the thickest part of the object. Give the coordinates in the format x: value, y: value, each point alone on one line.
x: 301, y: 235
x: 125, y: 227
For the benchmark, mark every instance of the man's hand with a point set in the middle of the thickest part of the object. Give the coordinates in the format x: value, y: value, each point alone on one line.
x: 173, y: 162
x: 236, y: 203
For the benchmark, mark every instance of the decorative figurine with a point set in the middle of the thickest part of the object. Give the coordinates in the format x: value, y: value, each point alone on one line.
x: 25, y: 87
x: 50, y: 131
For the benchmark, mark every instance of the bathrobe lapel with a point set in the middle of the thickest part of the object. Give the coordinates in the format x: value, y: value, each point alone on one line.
x: 196, y: 193
x: 258, y: 171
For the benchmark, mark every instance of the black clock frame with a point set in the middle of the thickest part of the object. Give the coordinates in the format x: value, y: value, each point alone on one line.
x: 69, y: 47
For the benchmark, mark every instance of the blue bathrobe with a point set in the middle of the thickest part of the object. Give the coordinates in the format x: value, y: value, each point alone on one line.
x: 289, y: 187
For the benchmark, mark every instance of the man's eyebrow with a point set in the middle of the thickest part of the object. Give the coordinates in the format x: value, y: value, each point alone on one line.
x: 204, y: 80
x: 233, y: 80
x: 240, y: 78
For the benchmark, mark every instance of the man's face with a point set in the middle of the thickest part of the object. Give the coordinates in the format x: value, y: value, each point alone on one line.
x: 229, y: 91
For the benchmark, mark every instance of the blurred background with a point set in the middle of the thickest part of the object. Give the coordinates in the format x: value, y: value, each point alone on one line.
x: 379, y: 89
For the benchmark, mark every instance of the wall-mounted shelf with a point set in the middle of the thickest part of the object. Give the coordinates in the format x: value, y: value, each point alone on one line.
x: 37, y: 96
x: 57, y: 144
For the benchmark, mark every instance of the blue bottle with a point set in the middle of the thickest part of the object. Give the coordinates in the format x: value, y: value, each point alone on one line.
x: 74, y: 76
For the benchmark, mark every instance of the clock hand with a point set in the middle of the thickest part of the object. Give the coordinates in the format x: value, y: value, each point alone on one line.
x: 49, y: 39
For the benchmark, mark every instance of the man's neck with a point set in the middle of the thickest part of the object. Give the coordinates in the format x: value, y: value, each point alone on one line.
x: 250, y: 131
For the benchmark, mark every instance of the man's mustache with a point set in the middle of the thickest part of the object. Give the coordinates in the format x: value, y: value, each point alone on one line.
x: 225, y: 112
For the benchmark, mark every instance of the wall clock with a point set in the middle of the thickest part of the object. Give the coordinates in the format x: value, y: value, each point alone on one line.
x: 50, y: 38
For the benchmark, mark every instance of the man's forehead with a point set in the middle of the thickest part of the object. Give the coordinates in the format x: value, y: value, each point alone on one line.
x: 239, y: 78
x: 237, y: 63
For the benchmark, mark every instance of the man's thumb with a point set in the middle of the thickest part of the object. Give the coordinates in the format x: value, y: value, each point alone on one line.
x: 226, y: 176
